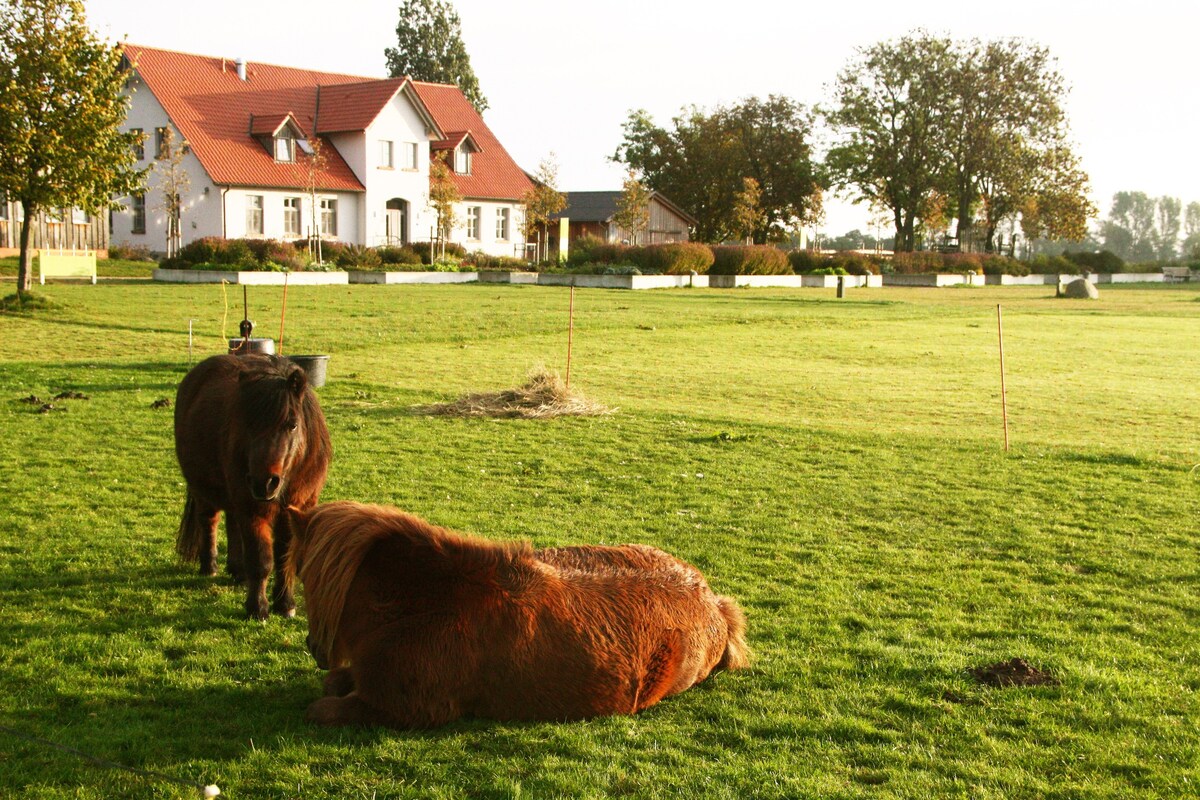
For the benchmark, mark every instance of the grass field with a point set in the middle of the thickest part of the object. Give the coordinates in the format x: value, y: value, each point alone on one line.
x: 836, y: 465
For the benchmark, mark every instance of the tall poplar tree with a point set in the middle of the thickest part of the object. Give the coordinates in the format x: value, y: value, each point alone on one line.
x: 61, y: 109
x: 429, y: 47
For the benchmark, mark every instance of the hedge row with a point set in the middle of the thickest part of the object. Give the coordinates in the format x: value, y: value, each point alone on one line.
x: 679, y: 258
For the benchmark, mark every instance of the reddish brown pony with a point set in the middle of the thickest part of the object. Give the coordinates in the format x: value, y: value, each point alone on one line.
x: 251, y: 439
x: 421, y: 625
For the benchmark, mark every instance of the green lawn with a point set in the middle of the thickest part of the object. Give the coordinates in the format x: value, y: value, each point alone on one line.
x: 835, y: 465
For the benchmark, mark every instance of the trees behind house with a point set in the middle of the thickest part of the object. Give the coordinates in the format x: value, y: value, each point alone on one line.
x: 61, y: 110
x: 931, y: 129
x: 702, y: 161
x: 429, y: 47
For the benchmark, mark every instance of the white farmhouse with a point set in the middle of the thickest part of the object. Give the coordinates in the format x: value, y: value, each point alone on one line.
x: 250, y: 130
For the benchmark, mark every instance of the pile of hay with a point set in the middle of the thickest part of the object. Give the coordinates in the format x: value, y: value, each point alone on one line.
x: 544, y: 395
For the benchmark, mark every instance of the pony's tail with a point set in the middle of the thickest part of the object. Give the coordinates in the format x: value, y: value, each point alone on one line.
x: 190, y: 537
x: 737, y: 652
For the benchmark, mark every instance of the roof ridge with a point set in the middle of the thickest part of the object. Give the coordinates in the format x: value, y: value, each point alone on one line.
x: 256, y: 62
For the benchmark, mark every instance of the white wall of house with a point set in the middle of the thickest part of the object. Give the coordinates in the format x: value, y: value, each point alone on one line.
x: 405, y: 179
x: 488, y: 235
x: 201, y: 215
x: 242, y: 206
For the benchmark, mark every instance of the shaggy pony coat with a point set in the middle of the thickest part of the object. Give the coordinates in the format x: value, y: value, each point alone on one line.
x: 420, y: 625
x: 251, y: 441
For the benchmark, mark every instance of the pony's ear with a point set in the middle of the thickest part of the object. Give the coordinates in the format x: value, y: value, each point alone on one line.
x: 297, y: 381
x: 298, y: 520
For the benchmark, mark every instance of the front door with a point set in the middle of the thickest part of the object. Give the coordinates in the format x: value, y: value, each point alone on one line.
x: 397, y: 222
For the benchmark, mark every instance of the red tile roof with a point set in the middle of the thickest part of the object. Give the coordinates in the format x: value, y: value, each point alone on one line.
x: 494, y: 174
x: 215, y: 112
x: 211, y: 107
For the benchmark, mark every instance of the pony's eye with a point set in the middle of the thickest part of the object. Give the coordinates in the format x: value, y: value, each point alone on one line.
x: 293, y: 425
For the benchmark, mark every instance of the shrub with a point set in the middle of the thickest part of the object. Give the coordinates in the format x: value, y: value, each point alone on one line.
x: 1043, y: 264
x: 398, y: 256
x: 484, y: 261
x: 852, y: 264
x: 424, y: 250
x: 758, y: 259
x: 1104, y: 261
x: 916, y: 263
x: 357, y: 255
x: 129, y: 252
x: 1003, y: 265
x: 804, y: 261
x: 679, y: 258
x: 581, y: 249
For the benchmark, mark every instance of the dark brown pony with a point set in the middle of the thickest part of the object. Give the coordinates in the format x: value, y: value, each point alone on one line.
x: 420, y: 625
x: 251, y: 439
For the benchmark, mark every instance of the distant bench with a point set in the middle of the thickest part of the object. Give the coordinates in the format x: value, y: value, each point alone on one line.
x: 1175, y: 274
x: 66, y: 265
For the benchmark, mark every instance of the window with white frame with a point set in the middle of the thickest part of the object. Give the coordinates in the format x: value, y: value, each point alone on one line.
x: 410, y: 155
x: 285, y: 148
x: 462, y: 161
x: 387, y: 158
x: 79, y: 217
x: 139, y: 143
x: 160, y: 143
x: 473, y: 222
x: 254, y: 215
x: 138, y: 206
x: 329, y: 216
x: 3, y: 207
x: 291, y: 216
x: 502, y: 220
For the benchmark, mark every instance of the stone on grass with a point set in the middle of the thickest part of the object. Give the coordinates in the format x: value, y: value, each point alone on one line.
x: 1080, y: 289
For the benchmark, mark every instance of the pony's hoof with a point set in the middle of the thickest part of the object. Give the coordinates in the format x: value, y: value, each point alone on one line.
x: 326, y: 711
x: 257, y: 611
x: 288, y: 613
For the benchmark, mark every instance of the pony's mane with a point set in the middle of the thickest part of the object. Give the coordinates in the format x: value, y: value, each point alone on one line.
x: 339, y: 536
x: 266, y: 394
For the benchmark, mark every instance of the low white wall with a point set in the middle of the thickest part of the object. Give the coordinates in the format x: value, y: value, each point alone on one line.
x: 250, y: 278
x: 935, y: 279
x: 371, y: 276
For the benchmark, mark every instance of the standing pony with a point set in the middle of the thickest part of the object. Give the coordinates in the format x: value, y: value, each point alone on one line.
x: 251, y: 439
x: 420, y: 625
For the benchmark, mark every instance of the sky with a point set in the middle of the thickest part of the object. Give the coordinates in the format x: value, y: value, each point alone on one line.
x: 561, y: 78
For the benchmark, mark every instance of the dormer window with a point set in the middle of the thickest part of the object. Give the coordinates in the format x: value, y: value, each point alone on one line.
x: 462, y: 161
x: 285, y: 147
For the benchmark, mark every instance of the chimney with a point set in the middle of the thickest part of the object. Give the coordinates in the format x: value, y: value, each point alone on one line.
x: 241, y: 68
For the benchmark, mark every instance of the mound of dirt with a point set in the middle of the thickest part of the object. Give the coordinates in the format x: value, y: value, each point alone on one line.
x: 1015, y: 672
x: 544, y: 395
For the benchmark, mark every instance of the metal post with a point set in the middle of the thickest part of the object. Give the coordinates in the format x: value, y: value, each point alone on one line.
x: 841, y: 289
x: 570, y: 332
x: 1003, y: 389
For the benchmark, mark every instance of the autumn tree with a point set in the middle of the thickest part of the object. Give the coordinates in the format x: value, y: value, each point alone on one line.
x: 173, y: 184
x: 429, y: 47
x: 542, y: 202
x: 924, y: 119
x: 633, y: 207
x: 61, y: 109
x: 314, y: 166
x: 443, y: 197
x: 748, y: 214
x: 889, y: 115
x: 703, y: 159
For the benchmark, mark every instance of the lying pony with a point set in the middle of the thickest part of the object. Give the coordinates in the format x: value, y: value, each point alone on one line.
x: 419, y: 625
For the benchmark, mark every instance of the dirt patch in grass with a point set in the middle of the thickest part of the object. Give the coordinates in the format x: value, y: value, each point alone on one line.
x: 543, y: 395
x: 1015, y: 672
